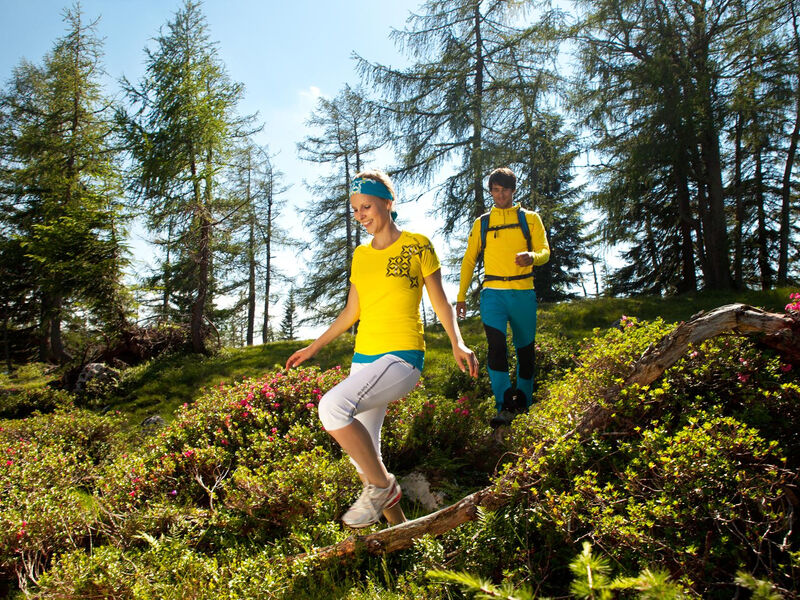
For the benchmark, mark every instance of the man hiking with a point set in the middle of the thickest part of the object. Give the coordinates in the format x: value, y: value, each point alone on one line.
x: 511, y: 240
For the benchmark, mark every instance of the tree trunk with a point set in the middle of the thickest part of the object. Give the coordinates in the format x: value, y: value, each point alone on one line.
x: 251, y: 282
x: 203, y: 258
x: 738, y: 248
x: 700, y: 225
x: 6, y: 347
x: 198, y: 307
x: 786, y: 200
x: 477, y: 120
x: 780, y: 332
x: 57, y: 350
x: 763, y: 257
x: 251, y: 257
x: 716, y: 227
x: 715, y: 224
x: 786, y: 183
x: 44, y: 331
x: 51, y: 345
x: 265, y: 336
x: 167, y: 291
x: 688, y: 282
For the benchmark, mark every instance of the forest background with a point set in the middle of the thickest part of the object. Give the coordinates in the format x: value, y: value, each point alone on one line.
x: 687, y: 122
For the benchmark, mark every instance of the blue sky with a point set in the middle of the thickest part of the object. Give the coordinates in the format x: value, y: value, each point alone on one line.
x: 286, y: 53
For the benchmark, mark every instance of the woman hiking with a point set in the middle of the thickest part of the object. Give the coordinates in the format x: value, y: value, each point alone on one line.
x: 387, y: 276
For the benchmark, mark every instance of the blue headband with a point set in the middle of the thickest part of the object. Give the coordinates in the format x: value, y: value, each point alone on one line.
x: 362, y: 185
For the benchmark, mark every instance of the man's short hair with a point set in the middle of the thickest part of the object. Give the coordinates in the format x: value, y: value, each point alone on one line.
x: 503, y: 177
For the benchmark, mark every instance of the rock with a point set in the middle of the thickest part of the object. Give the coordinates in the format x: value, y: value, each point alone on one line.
x: 418, y: 489
x: 95, y: 371
x: 153, y: 422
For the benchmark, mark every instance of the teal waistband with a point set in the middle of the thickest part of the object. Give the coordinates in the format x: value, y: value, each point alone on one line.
x: 416, y: 358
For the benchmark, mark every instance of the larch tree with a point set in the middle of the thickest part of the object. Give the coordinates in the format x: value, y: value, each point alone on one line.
x: 788, y: 229
x: 180, y: 131
x: 256, y: 189
x: 343, y: 141
x: 530, y: 137
x: 671, y: 93
x: 444, y: 110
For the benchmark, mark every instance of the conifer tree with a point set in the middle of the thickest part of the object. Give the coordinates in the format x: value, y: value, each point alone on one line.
x: 256, y: 190
x: 180, y: 133
x: 532, y: 141
x: 288, y: 323
x: 344, y: 142
x: 689, y: 110
x: 60, y: 186
x: 445, y: 109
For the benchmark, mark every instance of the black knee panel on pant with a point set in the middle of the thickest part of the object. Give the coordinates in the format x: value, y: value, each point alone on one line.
x: 497, y: 358
x: 526, y: 359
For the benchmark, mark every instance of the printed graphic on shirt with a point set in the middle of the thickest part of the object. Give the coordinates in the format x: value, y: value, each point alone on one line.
x: 399, y: 266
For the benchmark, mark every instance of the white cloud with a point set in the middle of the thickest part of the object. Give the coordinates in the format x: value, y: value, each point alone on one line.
x: 312, y: 93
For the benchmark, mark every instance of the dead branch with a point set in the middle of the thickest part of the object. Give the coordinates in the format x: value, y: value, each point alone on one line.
x: 780, y: 332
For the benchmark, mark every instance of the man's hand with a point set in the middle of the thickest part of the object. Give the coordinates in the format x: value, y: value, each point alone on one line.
x: 461, y: 309
x: 524, y: 259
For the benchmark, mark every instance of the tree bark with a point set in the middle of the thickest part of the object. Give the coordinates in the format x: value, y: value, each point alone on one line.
x: 761, y: 232
x: 251, y: 255
x: 265, y: 332
x: 780, y: 332
x: 477, y: 119
x: 786, y: 182
x: 688, y: 282
x: 739, y: 213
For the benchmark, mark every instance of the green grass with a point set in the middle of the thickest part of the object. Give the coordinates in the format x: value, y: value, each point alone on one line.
x: 27, y: 377
x: 578, y: 318
x: 162, y: 385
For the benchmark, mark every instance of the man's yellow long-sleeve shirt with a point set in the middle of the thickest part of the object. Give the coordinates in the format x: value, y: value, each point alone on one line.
x: 502, y: 247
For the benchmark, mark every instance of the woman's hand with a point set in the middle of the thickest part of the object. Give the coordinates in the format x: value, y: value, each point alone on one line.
x: 342, y: 323
x: 299, y: 357
x: 465, y: 359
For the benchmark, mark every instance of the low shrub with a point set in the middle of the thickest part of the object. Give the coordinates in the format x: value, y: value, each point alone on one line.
x: 18, y: 404
x: 693, y: 475
x: 237, y: 449
x: 689, y: 474
x: 426, y: 429
x: 47, y: 474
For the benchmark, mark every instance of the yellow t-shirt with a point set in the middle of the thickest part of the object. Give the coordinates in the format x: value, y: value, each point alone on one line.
x: 389, y: 285
x: 502, y: 247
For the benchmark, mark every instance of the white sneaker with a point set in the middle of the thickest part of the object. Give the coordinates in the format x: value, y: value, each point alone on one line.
x: 371, y: 503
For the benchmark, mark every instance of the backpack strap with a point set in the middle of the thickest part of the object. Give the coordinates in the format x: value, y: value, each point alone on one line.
x: 484, y: 231
x: 523, y: 224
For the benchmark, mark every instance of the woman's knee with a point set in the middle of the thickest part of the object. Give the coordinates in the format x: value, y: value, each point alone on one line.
x: 334, y: 411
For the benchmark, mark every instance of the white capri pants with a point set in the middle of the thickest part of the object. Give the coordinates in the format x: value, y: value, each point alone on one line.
x: 365, y: 395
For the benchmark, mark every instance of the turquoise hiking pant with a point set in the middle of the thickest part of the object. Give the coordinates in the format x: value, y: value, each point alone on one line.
x: 498, y: 309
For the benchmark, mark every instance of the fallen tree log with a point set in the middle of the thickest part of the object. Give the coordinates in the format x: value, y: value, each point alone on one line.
x: 781, y: 332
